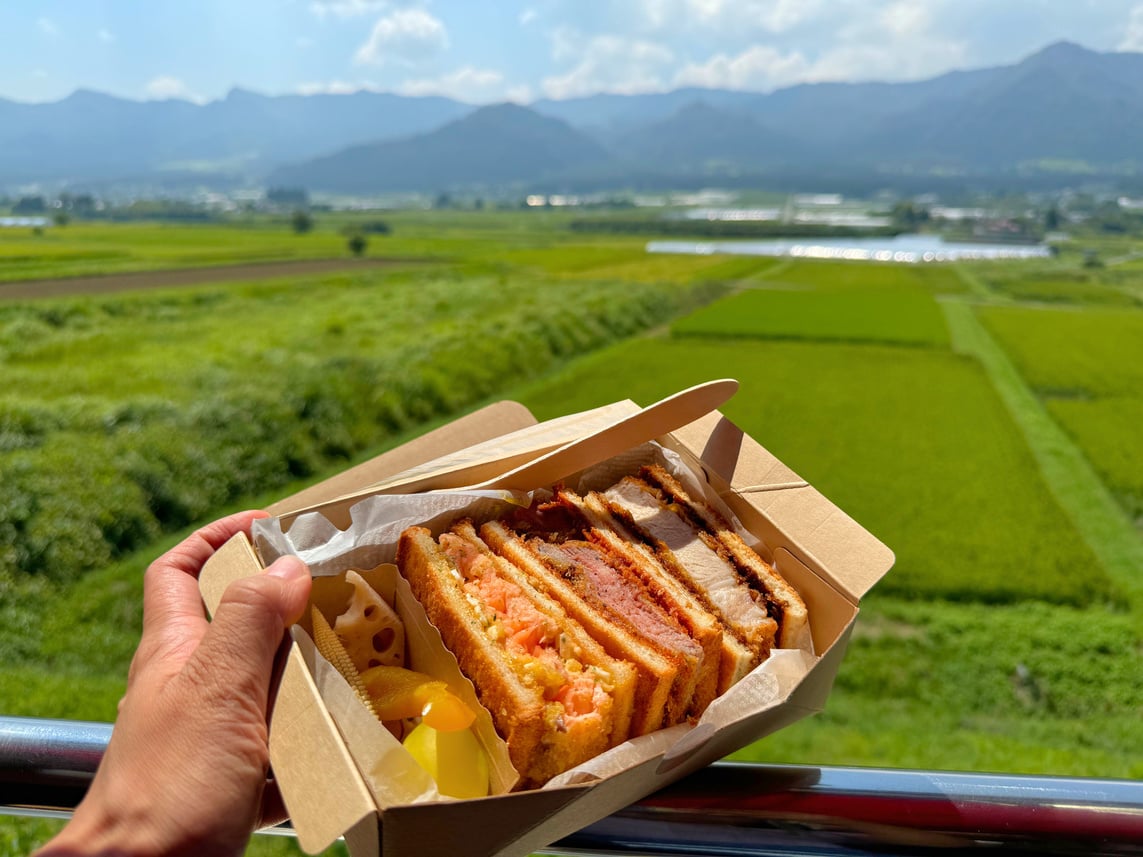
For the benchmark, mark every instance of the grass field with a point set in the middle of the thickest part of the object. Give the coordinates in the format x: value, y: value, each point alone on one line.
x: 998, y: 642
x: 85, y: 249
x: 907, y: 319
x: 888, y: 440
x: 172, y: 405
x: 1087, y: 367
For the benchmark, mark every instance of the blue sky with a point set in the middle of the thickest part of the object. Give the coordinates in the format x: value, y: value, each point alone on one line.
x: 491, y: 51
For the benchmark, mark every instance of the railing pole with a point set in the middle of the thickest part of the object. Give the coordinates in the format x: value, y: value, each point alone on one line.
x: 727, y: 809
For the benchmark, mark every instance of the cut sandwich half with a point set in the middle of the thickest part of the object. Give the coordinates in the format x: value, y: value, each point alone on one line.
x: 605, y: 594
x: 554, y: 694
x: 782, y: 601
x: 721, y: 646
x: 692, y: 541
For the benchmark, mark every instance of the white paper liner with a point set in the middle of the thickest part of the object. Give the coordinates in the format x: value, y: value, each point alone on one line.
x: 377, y: 522
x: 371, y: 539
x: 766, y: 686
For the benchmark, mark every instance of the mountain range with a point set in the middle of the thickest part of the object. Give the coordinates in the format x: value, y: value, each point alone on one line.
x: 1065, y: 110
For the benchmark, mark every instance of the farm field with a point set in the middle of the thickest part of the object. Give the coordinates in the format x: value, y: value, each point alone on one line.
x: 81, y: 249
x: 172, y: 406
x: 998, y: 641
x: 888, y: 317
x: 888, y: 440
x: 1065, y: 354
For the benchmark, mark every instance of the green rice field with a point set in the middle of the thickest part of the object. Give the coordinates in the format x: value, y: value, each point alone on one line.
x: 1087, y: 366
x: 85, y: 249
x: 1001, y: 640
x: 889, y: 317
x: 890, y: 441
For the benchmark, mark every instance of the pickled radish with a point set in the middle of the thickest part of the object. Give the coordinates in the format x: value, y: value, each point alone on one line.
x: 455, y: 760
x: 398, y: 693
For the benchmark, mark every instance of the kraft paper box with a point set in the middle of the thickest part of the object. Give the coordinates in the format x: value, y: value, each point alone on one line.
x: 323, y: 743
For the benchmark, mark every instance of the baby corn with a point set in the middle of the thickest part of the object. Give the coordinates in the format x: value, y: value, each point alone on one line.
x: 331, y: 648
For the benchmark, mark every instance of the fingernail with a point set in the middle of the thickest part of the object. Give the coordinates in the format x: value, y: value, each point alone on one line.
x: 287, y: 568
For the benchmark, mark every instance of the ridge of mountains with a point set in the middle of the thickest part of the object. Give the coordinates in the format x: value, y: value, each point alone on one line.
x: 1065, y: 109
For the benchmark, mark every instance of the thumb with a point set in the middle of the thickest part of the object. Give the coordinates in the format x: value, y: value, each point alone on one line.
x: 238, y: 650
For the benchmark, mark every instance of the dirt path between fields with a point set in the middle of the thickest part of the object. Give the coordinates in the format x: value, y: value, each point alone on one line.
x: 136, y: 280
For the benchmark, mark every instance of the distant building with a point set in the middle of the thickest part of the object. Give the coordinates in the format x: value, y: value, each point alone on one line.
x: 24, y: 222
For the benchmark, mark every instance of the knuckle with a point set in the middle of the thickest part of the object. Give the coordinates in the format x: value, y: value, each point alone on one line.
x: 258, y: 593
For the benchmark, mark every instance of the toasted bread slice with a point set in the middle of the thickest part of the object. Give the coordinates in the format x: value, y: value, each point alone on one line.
x: 611, y: 609
x: 725, y: 659
x: 783, y: 602
x: 551, y: 719
x: 695, y: 557
x: 576, y: 646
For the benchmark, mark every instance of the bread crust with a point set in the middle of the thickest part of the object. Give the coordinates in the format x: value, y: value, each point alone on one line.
x: 542, y: 741
x: 656, y: 673
x: 518, y: 711
x: 588, y: 649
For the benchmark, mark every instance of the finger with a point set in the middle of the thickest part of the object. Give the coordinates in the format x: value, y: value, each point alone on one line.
x: 189, y: 555
x: 170, y: 585
x: 235, y: 660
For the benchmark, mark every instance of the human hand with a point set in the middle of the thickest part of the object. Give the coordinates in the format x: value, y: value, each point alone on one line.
x: 185, y: 770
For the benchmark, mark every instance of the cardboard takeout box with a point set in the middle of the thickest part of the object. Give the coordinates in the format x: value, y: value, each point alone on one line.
x: 320, y: 752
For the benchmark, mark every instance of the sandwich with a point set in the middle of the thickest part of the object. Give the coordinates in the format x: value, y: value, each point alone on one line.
x: 555, y: 696
x: 700, y: 548
x: 621, y: 599
x: 734, y: 658
x: 583, y: 621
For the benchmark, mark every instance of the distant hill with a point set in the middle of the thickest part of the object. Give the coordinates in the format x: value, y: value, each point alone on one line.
x: 495, y: 145
x: 1065, y: 111
x: 700, y: 137
x: 607, y: 117
x: 1065, y: 103
x: 89, y: 136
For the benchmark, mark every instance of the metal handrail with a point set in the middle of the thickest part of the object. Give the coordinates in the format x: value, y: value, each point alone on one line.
x: 729, y: 808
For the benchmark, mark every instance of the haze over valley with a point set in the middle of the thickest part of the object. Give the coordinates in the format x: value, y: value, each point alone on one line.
x: 1063, y: 114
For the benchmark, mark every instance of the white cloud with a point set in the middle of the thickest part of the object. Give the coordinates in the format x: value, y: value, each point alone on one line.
x: 407, y: 34
x: 1133, y: 35
x: 657, y: 14
x: 465, y: 84
x: 905, y: 18
x: 607, y: 63
x: 759, y: 67
x: 105, y: 36
x: 903, y: 42
x: 347, y: 8
x: 519, y: 94
x: 736, y: 16
x: 920, y: 59
x: 48, y: 27
x: 727, y: 16
x: 898, y: 42
x: 333, y: 87
x: 164, y: 87
x: 527, y: 16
